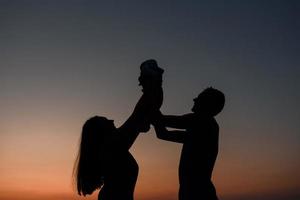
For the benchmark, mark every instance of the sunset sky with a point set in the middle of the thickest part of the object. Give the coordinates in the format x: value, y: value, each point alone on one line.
x: 62, y: 62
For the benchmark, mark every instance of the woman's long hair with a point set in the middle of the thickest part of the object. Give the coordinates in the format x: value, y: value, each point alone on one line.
x: 88, y: 167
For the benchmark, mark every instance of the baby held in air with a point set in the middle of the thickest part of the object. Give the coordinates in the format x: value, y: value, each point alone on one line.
x: 150, y: 102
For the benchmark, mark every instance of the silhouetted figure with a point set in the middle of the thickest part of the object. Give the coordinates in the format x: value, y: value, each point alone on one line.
x: 151, y: 81
x: 200, y: 144
x: 104, y: 161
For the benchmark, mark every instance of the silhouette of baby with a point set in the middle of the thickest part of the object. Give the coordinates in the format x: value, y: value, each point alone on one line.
x: 151, y: 75
x: 200, y: 144
x: 150, y: 102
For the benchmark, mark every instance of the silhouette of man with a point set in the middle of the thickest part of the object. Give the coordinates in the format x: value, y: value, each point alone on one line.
x: 200, y: 144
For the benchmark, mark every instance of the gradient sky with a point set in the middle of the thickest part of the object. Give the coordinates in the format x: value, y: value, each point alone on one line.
x: 62, y: 62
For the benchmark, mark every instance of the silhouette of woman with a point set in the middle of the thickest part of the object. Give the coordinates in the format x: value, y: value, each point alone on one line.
x: 104, y: 161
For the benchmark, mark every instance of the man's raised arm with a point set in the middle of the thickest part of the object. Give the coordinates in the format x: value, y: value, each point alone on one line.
x: 176, y: 121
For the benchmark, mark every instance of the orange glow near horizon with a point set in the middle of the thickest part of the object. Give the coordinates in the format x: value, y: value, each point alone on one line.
x: 39, y: 163
x: 41, y: 171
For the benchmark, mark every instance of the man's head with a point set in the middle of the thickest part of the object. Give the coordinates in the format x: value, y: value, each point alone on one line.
x: 209, y: 102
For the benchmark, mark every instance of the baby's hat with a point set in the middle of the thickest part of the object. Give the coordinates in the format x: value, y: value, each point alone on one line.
x: 150, y: 68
